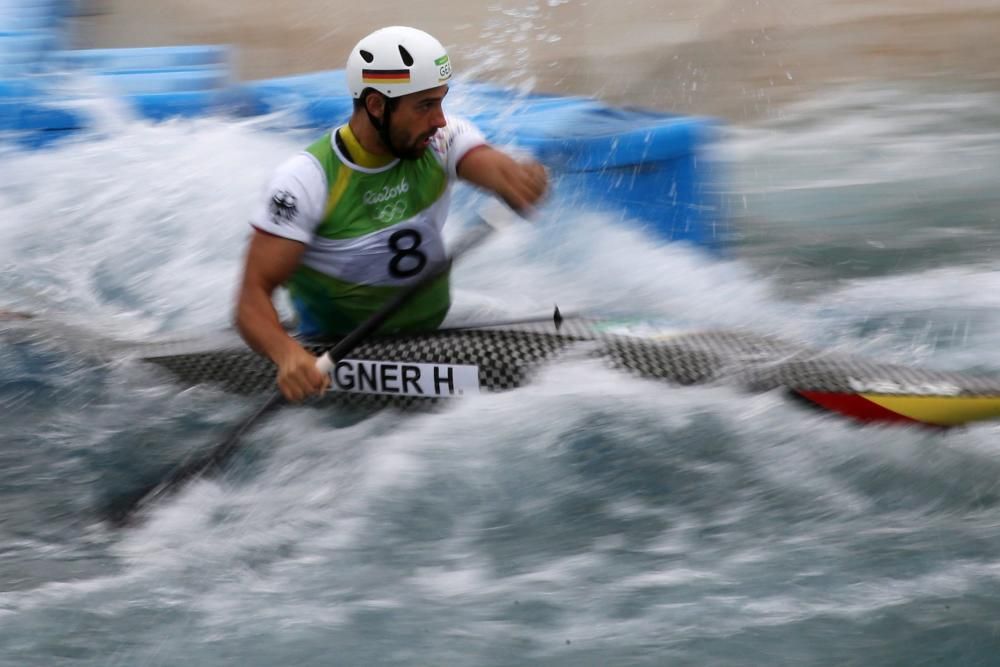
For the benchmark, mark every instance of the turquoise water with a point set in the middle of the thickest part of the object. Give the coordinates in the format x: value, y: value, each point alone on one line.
x: 589, y: 519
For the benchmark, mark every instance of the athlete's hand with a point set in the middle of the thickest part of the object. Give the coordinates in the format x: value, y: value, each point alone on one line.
x: 526, y: 182
x: 298, y: 376
x: 521, y: 183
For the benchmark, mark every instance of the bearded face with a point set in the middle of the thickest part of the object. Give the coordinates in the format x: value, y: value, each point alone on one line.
x: 413, y: 120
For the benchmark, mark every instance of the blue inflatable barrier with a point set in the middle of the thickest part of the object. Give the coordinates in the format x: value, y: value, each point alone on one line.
x: 47, y: 11
x: 19, y: 46
x: 188, y: 104
x: 29, y: 31
x: 648, y: 166
x: 18, y: 116
x: 56, y: 8
x: 644, y: 166
x: 328, y: 83
x: 20, y: 88
x: 30, y: 125
x: 16, y: 21
x: 315, y: 97
x: 146, y: 58
x: 135, y: 82
x: 24, y: 15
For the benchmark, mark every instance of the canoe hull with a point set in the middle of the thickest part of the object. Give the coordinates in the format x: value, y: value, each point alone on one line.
x: 413, y: 369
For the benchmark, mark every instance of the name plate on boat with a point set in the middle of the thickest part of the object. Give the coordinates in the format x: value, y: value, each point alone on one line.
x: 403, y: 379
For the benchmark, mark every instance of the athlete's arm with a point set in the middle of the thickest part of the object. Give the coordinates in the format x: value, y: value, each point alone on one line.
x: 270, y: 261
x: 283, y: 219
x: 520, y: 184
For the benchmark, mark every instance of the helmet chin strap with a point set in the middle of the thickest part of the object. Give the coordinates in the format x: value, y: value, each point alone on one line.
x: 382, y: 126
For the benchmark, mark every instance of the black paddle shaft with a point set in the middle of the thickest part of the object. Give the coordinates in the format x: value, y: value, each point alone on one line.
x: 126, y: 508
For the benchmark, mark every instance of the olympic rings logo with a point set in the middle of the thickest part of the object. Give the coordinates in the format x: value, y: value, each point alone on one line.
x: 391, y: 212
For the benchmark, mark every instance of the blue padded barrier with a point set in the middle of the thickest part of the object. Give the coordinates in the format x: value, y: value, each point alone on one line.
x: 137, y: 82
x: 187, y: 104
x: 10, y: 21
x: 31, y: 125
x: 645, y: 166
x: 25, y: 46
x: 20, y: 87
x: 147, y: 58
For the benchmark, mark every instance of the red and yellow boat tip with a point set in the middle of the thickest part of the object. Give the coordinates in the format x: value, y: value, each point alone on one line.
x: 929, y: 410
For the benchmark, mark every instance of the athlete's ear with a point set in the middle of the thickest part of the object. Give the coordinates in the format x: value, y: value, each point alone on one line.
x: 375, y: 104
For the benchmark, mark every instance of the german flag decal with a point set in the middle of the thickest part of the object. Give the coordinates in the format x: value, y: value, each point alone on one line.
x: 385, y: 75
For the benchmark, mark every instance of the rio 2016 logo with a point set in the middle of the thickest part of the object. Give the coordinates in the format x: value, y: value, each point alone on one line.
x: 391, y: 212
x: 386, y: 193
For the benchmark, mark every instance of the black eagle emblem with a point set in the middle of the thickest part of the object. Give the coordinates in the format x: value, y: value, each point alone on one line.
x: 284, y: 207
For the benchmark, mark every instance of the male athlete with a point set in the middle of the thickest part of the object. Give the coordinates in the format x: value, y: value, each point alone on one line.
x: 358, y: 215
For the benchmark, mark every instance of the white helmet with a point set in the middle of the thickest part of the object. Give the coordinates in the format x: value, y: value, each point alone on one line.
x: 397, y: 61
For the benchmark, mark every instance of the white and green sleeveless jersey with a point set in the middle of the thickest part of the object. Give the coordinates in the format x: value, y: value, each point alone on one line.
x: 368, y: 231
